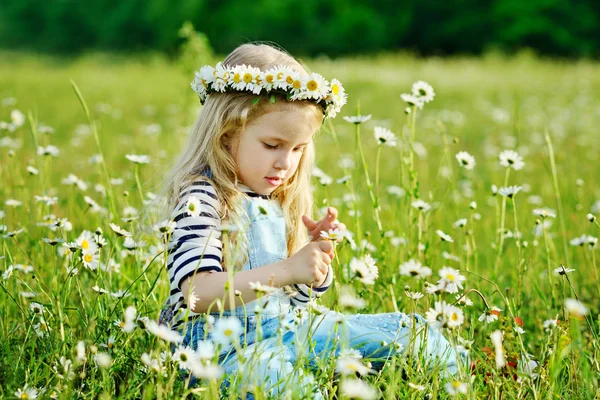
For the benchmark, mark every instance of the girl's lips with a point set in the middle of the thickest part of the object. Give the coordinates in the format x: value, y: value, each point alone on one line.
x: 274, y: 181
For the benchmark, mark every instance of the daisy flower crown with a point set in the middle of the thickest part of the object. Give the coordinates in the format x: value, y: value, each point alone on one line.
x: 282, y: 80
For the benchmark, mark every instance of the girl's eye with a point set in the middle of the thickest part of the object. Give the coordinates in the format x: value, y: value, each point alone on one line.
x: 270, y: 147
x: 300, y: 149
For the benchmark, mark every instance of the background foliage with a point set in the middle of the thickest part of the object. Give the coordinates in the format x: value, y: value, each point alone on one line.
x: 308, y: 27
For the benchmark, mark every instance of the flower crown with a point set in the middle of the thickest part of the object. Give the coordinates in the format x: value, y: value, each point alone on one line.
x: 283, y: 80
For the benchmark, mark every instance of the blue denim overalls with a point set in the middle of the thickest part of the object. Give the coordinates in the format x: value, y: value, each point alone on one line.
x: 287, y: 333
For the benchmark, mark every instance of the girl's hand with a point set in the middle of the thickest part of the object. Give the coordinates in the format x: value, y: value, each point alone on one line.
x: 311, y: 263
x: 329, y: 222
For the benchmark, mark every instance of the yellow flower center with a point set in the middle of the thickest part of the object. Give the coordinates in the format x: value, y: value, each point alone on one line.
x: 454, y: 317
x: 456, y: 384
x: 228, y: 332
x: 270, y: 78
x: 85, y: 244
x: 192, y: 207
x: 237, y: 78
x: 24, y: 396
x: 312, y: 85
x: 335, y: 89
x: 297, y: 84
x: 451, y: 277
x: 203, y: 82
x: 183, y: 357
x: 247, y: 77
x: 87, y: 258
x: 289, y: 79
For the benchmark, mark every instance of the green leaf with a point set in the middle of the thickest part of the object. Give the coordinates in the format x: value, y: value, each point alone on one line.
x: 255, y: 101
x: 272, y: 99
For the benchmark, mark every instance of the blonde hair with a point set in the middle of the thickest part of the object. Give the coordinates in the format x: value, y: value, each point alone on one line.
x: 215, y: 133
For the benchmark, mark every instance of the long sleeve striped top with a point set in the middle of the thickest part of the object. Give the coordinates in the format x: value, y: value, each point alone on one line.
x: 195, y: 246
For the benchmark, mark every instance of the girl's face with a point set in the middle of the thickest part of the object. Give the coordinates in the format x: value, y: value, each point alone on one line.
x: 269, y: 149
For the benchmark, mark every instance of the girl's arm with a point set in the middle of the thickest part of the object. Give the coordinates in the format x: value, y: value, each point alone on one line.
x: 307, y: 266
x: 208, y: 286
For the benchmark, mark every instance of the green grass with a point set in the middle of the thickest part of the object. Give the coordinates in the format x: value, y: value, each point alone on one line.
x: 482, y: 106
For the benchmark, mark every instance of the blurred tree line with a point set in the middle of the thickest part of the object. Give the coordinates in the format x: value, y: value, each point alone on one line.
x: 306, y: 27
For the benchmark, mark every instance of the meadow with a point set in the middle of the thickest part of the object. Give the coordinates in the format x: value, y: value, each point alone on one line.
x: 519, y: 226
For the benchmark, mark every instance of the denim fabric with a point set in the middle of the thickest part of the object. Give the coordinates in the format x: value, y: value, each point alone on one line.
x: 280, y: 334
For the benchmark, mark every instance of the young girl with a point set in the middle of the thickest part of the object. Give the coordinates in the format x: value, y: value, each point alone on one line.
x: 245, y: 259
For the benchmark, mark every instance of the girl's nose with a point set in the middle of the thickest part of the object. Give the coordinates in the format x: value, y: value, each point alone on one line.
x: 284, y: 161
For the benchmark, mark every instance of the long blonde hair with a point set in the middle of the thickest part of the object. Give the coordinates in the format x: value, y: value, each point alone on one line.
x: 218, y: 126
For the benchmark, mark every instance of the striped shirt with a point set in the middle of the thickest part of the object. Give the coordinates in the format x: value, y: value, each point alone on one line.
x: 195, y: 246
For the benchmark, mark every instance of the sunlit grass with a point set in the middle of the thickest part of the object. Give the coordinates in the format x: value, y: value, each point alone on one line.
x: 543, y: 110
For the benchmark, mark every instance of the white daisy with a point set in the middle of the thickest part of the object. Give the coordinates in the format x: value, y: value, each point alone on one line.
x: 357, y: 119
x: 128, y: 324
x: 358, y: 389
x: 365, y: 269
x: 497, y: 338
x: 454, y: 316
x: 591, y: 217
x: 269, y: 78
x: 444, y: 237
x: 460, y: 223
x: 185, y: 357
x: 544, y: 212
x: 465, y: 160
x: 412, y: 100
x: 49, y: 150
x: 164, y: 332
x: 414, y: 295
x: 348, y: 365
x: 138, y: 159
x: 17, y: 118
x: 42, y: 329
x: 316, y: 86
x: 118, y: 230
x: 207, y: 371
x: 13, y: 203
x: 490, y: 315
x: 414, y: 268
x: 385, y: 136
x: 337, y: 94
x: 550, y: 324
x: 205, y: 350
x: 436, y: 317
x: 227, y: 330
x: 420, y: 388
x: 451, y: 279
x: 423, y: 91
x: 562, y: 270
x: 348, y: 300
x: 86, y: 241
x: 90, y: 259
x: 455, y: 388
x: 575, y: 308
x: 396, y: 191
x: 421, y: 205
x: 259, y: 288
x: 509, y: 191
x: 511, y: 159
x: 27, y: 393
x: 103, y: 360
x: 165, y: 227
